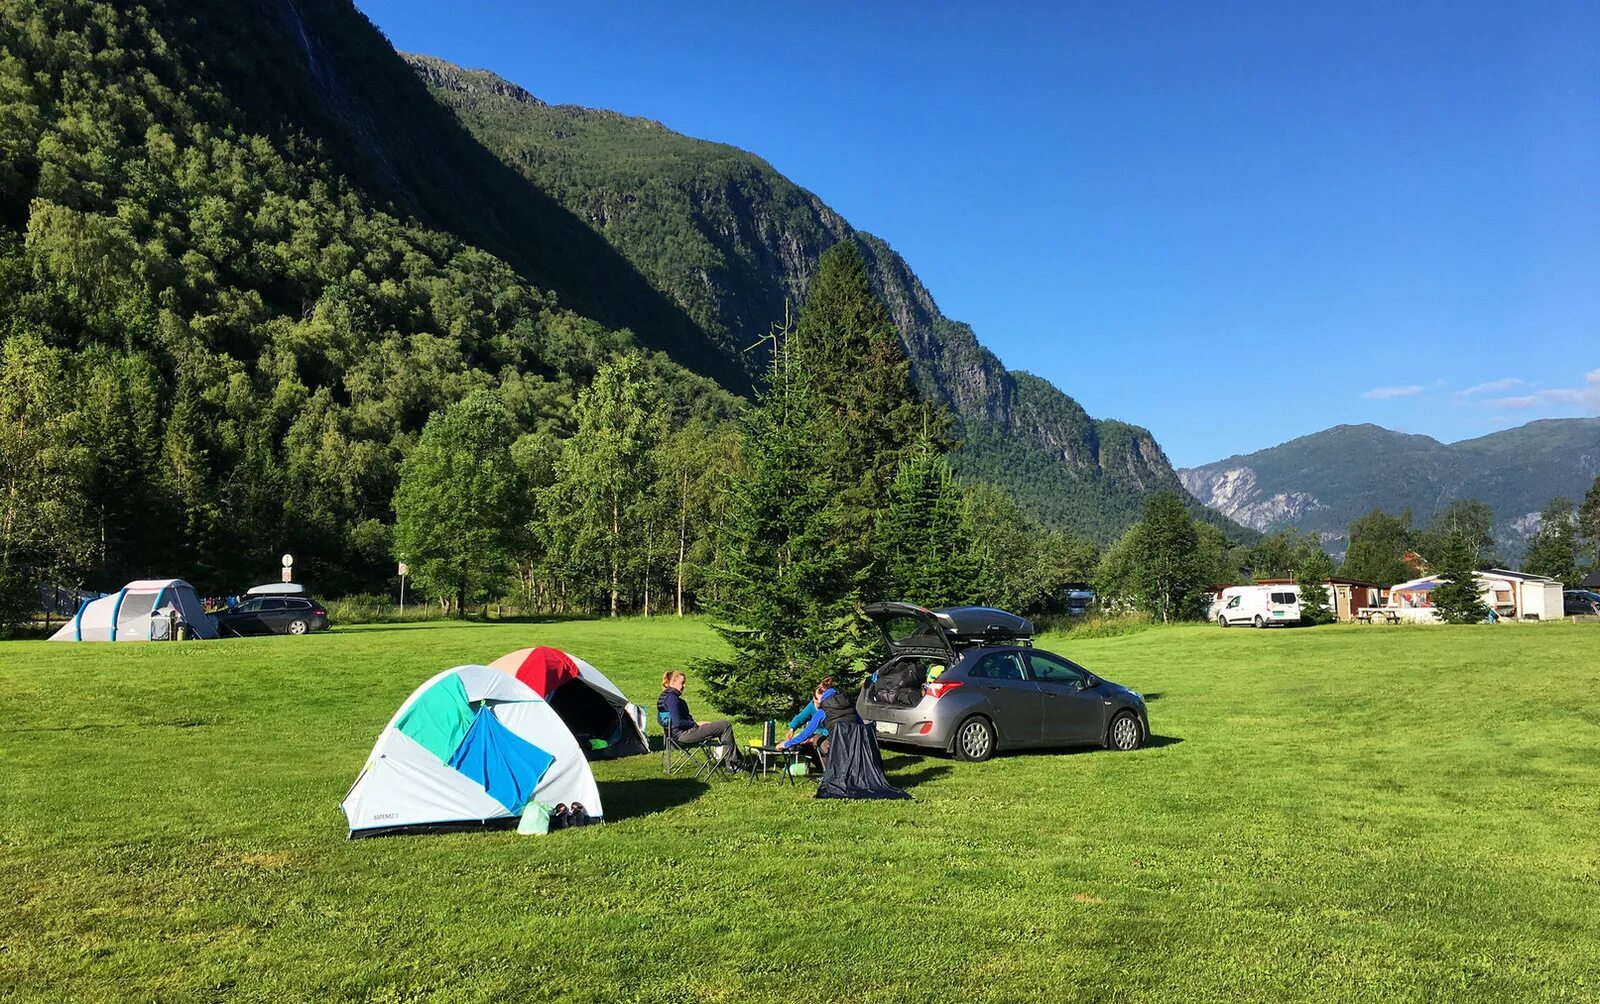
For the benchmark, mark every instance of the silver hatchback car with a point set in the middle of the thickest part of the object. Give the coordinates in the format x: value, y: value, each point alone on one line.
x: 967, y: 680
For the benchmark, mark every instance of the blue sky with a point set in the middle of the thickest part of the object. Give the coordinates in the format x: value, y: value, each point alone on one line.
x: 1231, y: 223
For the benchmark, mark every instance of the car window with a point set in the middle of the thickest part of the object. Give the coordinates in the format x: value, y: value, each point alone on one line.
x: 298, y: 604
x: 998, y: 666
x: 1284, y: 599
x: 1052, y: 670
x: 248, y: 607
x: 273, y: 605
x: 1233, y: 603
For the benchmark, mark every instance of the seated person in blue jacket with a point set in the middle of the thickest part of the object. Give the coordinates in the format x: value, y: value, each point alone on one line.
x: 806, y: 726
x: 674, y: 713
x: 830, y: 706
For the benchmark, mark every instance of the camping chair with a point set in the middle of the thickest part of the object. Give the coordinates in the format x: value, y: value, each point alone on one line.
x: 678, y: 757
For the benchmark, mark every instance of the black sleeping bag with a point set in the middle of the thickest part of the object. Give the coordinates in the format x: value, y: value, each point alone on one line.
x: 855, y: 768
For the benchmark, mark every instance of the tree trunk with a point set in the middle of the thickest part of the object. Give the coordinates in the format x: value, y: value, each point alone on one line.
x: 649, y: 528
x: 616, y: 550
x: 683, y: 536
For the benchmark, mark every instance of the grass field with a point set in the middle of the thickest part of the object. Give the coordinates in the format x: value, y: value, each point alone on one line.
x: 1338, y: 814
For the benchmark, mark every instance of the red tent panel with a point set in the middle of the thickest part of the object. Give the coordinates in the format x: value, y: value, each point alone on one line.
x: 545, y: 669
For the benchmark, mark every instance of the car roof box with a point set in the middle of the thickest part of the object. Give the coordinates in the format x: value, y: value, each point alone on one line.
x: 973, y: 625
x: 909, y: 629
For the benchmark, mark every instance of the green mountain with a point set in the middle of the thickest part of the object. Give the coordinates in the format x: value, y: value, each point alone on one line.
x: 243, y: 256
x: 245, y: 251
x: 731, y: 242
x: 1324, y: 481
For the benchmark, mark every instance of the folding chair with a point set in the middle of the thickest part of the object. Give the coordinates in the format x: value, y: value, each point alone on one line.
x: 702, y: 756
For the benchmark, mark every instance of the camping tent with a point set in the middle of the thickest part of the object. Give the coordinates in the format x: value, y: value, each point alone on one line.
x: 468, y: 749
x: 139, y: 611
x: 590, y: 704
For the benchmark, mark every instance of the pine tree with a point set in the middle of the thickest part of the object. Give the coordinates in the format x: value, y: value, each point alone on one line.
x: 858, y: 382
x: 783, y: 599
x: 1553, y: 551
x: 1589, y: 526
x: 1458, y: 599
x: 1312, y: 569
x: 924, y: 539
x: 457, y: 509
x: 1166, y: 553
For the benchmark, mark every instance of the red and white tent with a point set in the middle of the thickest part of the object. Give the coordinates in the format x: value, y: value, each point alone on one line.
x: 605, y: 723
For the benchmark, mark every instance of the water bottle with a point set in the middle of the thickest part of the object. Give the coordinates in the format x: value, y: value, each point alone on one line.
x: 769, y: 733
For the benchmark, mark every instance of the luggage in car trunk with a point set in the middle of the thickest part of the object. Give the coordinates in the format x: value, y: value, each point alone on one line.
x: 899, y: 683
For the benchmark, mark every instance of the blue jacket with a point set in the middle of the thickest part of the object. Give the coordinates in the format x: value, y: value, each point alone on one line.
x: 673, y: 711
x: 813, y: 725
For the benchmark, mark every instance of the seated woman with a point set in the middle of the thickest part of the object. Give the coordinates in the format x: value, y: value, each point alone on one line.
x: 683, y: 727
x: 830, y: 706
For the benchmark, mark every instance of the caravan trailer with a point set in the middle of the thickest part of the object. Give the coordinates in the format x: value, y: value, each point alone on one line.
x: 1256, y: 605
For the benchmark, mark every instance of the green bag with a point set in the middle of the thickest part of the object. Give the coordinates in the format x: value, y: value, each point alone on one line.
x: 535, y: 819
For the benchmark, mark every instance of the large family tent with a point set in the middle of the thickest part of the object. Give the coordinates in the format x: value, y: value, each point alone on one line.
x: 140, y: 611
x: 605, y: 723
x: 468, y: 749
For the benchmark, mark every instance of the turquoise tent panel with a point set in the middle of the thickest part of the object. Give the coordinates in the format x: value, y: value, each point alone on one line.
x: 439, y: 717
x: 507, y: 765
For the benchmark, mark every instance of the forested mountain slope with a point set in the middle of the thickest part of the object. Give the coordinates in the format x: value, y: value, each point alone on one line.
x: 1325, y: 480
x: 731, y: 241
x: 229, y: 300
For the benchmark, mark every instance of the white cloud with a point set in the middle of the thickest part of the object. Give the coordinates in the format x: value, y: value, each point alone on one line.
x: 1586, y: 397
x: 1526, y: 401
x: 1571, y: 394
x: 1490, y: 386
x: 1385, y: 393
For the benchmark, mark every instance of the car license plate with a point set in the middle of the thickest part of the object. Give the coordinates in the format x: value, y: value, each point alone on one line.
x: 886, y: 727
x: 1277, y: 613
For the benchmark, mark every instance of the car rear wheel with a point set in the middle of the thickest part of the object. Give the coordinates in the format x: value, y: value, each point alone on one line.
x: 1259, y: 621
x: 1124, y: 733
x: 298, y: 626
x: 975, y: 739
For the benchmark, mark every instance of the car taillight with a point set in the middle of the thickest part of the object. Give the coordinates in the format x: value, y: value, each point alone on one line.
x: 923, y: 729
x: 320, y: 612
x: 940, y: 688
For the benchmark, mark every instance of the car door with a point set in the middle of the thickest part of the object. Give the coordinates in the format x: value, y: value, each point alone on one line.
x: 245, y: 618
x: 1014, y: 702
x: 1073, y: 709
x: 1231, y: 609
x: 274, y: 616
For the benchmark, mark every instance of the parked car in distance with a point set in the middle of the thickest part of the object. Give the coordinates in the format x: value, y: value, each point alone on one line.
x: 273, y: 615
x: 967, y: 680
x: 1580, y: 603
x: 1256, y: 605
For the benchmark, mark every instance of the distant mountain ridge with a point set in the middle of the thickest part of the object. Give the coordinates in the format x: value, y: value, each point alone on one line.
x: 732, y: 243
x: 1324, y: 481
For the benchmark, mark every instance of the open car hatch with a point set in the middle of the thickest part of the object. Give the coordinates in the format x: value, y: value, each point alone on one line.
x: 912, y: 630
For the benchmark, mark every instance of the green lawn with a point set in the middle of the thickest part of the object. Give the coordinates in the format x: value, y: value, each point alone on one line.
x: 1338, y: 814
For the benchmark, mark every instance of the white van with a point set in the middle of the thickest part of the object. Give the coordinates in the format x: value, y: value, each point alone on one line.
x: 1257, y: 605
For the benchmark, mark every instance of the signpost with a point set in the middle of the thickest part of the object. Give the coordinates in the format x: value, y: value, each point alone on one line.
x: 288, y: 568
x: 405, y: 570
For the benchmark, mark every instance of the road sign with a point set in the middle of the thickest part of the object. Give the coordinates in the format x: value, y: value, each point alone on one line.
x: 288, y: 561
x: 405, y: 569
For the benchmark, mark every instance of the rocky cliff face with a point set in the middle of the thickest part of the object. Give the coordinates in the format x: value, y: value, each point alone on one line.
x: 734, y: 243
x: 1325, y: 481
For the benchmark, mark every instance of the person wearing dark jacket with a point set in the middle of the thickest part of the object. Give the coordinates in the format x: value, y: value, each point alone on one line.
x: 832, y: 707
x: 676, y: 718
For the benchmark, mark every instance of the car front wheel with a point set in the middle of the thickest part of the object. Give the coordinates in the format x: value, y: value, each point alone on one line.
x: 1222, y: 620
x: 975, y: 740
x: 297, y: 626
x: 1124, y: 733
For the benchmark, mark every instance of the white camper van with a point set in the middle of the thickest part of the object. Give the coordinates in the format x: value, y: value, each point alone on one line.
x: 1257, y: 605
